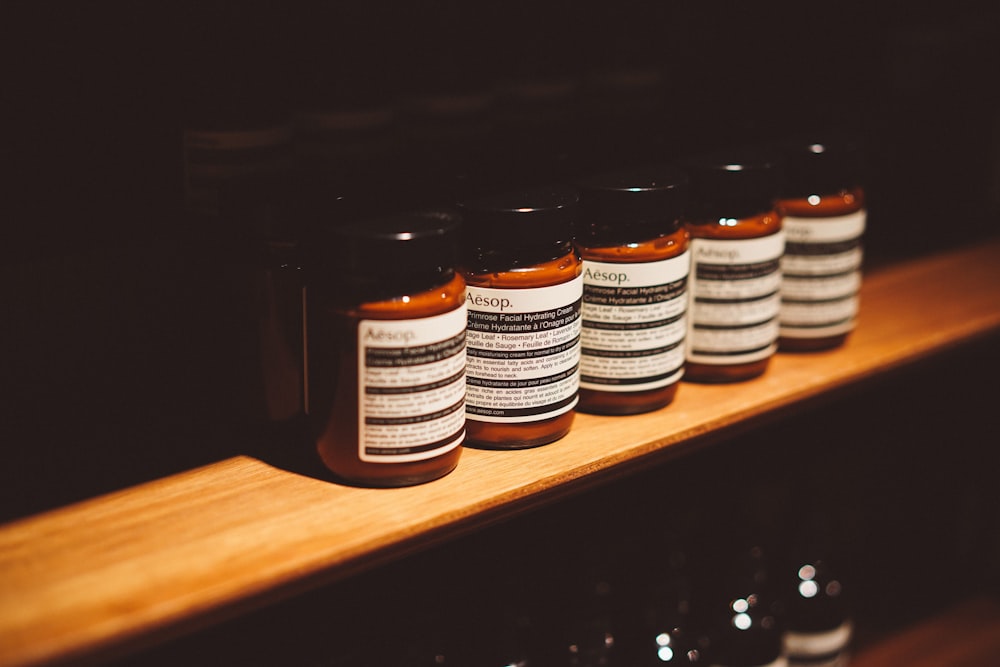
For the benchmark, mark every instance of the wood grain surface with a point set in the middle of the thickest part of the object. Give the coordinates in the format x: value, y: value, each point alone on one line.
x: 965, y: 635
x: 134, y: 567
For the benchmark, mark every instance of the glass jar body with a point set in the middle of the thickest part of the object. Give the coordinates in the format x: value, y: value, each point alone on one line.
x: 337, y: 392
x: 485, y: 426
x: 735, y: 283
x: 607, y: 325
x: 824, y: 249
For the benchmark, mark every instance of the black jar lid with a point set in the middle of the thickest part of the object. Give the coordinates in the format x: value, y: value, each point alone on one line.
x: 635, y: 205
x: 734, y: 184
x: 527, y: 218
x: 420, y: 243
x: 821, y: 165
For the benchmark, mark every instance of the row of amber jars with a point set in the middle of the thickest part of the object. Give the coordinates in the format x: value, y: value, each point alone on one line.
x: 596, y: 298
x: 776, y: 255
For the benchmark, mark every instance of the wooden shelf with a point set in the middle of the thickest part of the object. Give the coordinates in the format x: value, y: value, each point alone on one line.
x: 134, y: 567
x: 967, y: 633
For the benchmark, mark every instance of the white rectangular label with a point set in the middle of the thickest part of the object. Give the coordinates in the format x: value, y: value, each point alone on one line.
x: 411, y: 387
x: 735, y: 298
x: 634, y: 324
x: 524, y: 352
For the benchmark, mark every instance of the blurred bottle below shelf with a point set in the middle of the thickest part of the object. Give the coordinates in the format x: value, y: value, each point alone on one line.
x: 589, y: 634
x: 739, y: 606
x: 664, y: 630
x: 818, y: 624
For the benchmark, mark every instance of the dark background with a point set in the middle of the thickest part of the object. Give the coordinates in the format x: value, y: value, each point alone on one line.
x: 894, y: 481
x: 124, y: 355
x: 128, y: 351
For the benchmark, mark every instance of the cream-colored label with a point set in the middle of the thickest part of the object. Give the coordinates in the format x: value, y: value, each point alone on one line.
x: 524, y: 352
x: 807, y: 644
x: 735, y: 299
x: 411, y: 387
x: 824, y: 230
x: 821, y: 271
x: 634, y: 324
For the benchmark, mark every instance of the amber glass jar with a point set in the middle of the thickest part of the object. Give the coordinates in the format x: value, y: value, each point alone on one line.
x: 387, y: 320
x: 524, y: 292
x: 736, y: 248
x: 635, y: 270
x: 823, y: 206
x: 261, y: 223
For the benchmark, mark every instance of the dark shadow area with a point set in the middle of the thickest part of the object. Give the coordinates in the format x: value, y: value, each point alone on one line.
x: 894, y: 480
x: 149, y: 274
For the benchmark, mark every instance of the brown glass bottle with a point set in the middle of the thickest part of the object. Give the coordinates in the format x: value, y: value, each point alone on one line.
x: 387, y: 320
x: 823, y: 207
x: 635, y: 270
x: 262, y: 257
x: 736, y: 247
x: 524, y: 293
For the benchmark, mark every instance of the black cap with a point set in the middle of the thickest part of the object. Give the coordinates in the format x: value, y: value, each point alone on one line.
x: 421, y: 243
x: 734, y: 184
x: 817, y: 166
x: 634, y: 205
x: 529, y: 218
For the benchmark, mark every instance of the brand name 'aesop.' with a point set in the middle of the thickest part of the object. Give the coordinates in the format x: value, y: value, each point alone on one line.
x: 716, y: 253
x: 605, y: 276
x: 499, y: 303
x: 386, y: 336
